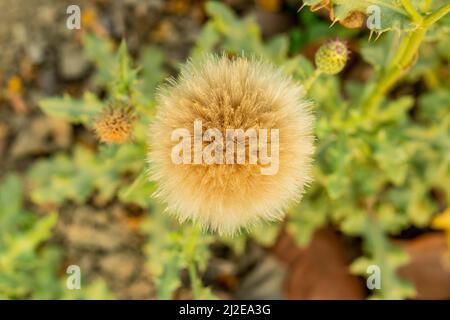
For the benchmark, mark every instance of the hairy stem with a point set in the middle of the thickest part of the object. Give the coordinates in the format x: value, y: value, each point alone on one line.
x: 404, y: 58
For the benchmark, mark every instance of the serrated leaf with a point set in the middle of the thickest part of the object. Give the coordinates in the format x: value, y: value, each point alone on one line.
x: 388, y: 258
x: 393, y: 15
x: 77, y: 111
x: 100, y: 51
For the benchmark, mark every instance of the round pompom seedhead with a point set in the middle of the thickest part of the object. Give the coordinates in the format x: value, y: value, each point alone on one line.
x: 222, y: 94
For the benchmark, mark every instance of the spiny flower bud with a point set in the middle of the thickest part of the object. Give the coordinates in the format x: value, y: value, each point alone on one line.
x: 115, y: 124
x: 220, y: 95
x: 332, y: 57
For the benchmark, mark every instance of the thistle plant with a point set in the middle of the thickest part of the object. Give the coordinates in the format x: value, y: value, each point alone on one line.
x: 406, y: 52
x: 30, y: 264
x: 379, y: 157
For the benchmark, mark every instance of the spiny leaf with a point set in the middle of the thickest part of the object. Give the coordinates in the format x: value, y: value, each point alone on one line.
x: 387, y: 257
x: 392, y: 14
x: 77, y: 111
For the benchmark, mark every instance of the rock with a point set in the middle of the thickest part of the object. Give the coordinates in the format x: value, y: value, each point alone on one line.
x: 43, y: 135
x: 319, y: 271
x: 87, y: 215
x: 73, y: 64
x: 92, y: 229
x: 264, y: 282
x: 121, y: 265
x: 264, y: 278
x: 35, y: 52
x: 426, y: 268
x: 92, y: 238
x: 141, y: 290
x: 47, y: 15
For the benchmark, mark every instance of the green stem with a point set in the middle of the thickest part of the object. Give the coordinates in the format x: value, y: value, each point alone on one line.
x: 196, y: 285
x: 190, y: 246
x: 413, y: 47
x: 403, y: 59
x: 407, y: 50
x: 438, y: 14
x: 308, y: 83
x: 412, y: 11
x: 426, y: 4
x: 396, y: 59
x: 138, y: 181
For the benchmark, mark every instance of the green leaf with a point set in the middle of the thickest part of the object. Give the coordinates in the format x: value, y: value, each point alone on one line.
x: 393, y: 15
x: 266, y: 233
x: 434, y: 105
x: 100, y: 51
x: 388, y: 258
x: 299, y: 67
x: 276, y: 49
x: 208, y: 38
x: 125, y: 76
x: 306, y: 218
x: 152, y: 71
x: 11, y: 199
x: 77, y: 111
x: 237, y: 36
x: 75, y: 178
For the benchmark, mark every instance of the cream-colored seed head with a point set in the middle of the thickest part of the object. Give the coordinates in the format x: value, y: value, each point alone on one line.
x: 225, y: 94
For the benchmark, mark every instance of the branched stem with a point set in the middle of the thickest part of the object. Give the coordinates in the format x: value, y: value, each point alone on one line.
x: 438, y: 14
x: 403, y: 59
x: 417, y: 18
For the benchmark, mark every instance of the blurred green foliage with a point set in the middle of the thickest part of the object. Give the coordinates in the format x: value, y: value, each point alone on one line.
x: 375, y: 173
x: 29, y: 267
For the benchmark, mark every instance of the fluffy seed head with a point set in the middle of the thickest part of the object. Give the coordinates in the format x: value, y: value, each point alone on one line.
x: 226, y: 94
x: 332, y: 57
x: 114, y: 125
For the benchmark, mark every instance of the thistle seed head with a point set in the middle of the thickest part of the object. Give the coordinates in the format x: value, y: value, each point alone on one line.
x: 115, y: 125
x: 222, y: 94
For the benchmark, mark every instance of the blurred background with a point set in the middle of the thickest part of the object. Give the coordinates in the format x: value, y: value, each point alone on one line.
x: 382, y: 185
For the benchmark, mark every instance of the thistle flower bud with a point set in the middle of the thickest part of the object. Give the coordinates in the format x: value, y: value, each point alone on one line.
x: 115, y: 125
x: 332, y: 57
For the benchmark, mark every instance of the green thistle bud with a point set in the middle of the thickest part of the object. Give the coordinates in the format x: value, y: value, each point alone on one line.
x: 332, y: 57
